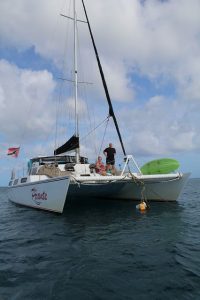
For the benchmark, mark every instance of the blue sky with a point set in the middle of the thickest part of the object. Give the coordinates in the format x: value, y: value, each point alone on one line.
x: 150, y: 55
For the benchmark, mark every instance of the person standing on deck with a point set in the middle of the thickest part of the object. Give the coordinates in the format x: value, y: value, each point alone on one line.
x: 110, y: 155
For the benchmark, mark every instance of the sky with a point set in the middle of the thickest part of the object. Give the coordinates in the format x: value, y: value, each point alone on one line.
x: 150, y: 53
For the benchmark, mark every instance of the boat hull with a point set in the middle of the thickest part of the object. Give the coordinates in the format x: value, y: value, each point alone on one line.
x: 52, y: 194
x: 152, y: 189
x: 47, y: 194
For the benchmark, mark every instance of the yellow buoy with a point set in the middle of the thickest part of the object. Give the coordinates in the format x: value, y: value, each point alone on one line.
x: 142, y: 206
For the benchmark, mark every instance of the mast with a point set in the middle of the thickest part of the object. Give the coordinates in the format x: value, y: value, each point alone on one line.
x: 73, y: 142
x: 111, y: 111
x: 76, y: 81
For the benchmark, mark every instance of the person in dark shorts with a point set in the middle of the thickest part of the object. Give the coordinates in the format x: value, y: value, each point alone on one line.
x: 110, y: 156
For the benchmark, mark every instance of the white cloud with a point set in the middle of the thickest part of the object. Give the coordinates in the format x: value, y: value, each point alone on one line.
x: 162, y: 127
x: 24, y: 98
x: 119, y: 84
x: 158, y: 40
x: 81, y: 107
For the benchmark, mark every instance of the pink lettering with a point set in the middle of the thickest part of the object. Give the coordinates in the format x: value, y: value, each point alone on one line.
x: 39, y: 196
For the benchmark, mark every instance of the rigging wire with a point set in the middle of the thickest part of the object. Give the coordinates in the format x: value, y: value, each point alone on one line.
x: 104, y: 135
x: 83, y: 89
x: 84, y: 137
x: 92, y: 130
x: 60, y: 110
x: 111, y: 111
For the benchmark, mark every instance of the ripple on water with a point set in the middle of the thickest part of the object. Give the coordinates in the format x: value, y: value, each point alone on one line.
x: 105, y: 250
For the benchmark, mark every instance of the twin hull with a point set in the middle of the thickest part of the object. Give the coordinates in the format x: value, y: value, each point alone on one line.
x: 163, y: 189
x: 52, y: 194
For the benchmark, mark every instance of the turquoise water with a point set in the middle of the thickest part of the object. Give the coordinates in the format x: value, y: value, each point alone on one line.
x: 102, y: 250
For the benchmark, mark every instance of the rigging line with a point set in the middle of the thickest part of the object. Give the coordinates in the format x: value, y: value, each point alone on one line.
x: 103, y: 136
x: 64, y: 66
x: 84, y: 137
x: 60, y: 87
x: 78, y: 20
x: 79, y: 82
x: 95, y: 128
x: 57, y: 114
x: 84, y: 93
x: 111, y: 111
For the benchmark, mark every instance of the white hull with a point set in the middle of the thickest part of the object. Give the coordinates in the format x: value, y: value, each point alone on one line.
x: 153, y: 187
x: 43, y: 192
x: 49, y: 194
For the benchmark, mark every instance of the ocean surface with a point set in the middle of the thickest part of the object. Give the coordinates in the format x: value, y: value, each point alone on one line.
x: 102, y: 250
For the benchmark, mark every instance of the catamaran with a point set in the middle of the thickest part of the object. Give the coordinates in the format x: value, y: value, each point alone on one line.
x: 52, y: 180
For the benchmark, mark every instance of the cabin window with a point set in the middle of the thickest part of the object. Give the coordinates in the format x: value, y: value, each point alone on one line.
x: 69, y: 167
x: 24, y: 179
x: 10, y: 183
x: 15, y: 182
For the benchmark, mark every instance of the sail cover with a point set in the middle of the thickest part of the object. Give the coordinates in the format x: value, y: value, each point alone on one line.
x: 71, y: 144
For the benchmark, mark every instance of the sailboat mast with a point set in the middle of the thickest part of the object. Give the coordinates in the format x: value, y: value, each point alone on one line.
x: 111, y: 111
x: 76, y: 80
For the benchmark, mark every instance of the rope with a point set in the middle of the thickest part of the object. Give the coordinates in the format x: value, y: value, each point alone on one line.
x: 143, y: 196
x: 104, y: 135
x: 84, y: 137
x: 143, y: 188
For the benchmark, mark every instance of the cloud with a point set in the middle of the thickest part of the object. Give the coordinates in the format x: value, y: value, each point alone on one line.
x: 24, y: 98
x: 81, y: 108
x: 119, y: 84
x: 161, y: 127
x: 156, y: 40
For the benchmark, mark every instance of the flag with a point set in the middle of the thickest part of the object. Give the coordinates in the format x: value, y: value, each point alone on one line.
x: 14, y: 152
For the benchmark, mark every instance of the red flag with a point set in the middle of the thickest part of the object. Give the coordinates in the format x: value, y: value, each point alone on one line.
x: 14, y: 152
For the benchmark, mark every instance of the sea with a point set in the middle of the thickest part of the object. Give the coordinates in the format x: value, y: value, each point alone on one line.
x: 102, y: 250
